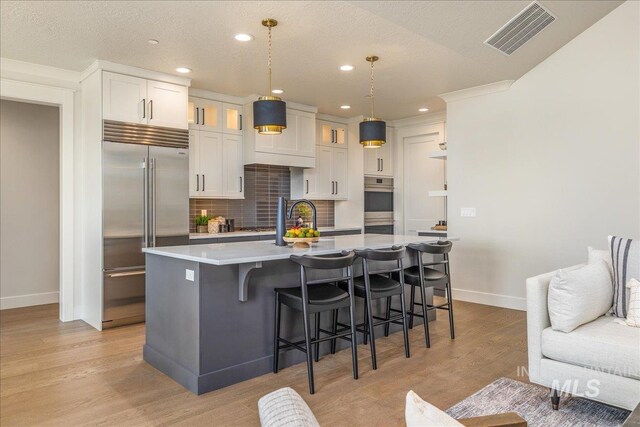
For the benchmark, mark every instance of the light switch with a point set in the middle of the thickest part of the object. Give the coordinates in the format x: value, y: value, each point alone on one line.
x: 468, y: 212
x: 189, y: 275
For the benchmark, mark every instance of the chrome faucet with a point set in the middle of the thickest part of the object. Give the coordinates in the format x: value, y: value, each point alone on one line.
x: 282, y: 213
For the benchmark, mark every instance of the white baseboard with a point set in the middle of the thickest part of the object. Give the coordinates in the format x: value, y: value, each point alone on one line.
x: 497, y: 300
x: 28, y: 300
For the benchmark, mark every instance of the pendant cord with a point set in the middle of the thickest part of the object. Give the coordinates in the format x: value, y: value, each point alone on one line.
x: 269, y: 94
x: 371, y: 92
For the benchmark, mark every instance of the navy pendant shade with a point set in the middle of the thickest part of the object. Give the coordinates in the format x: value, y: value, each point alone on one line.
x: 269, y: 115
x: 373, y: 133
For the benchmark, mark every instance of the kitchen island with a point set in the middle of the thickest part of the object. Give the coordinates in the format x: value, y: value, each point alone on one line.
x: 210, y: 308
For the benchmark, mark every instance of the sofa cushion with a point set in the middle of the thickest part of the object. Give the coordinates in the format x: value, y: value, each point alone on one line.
x: 603, y: 344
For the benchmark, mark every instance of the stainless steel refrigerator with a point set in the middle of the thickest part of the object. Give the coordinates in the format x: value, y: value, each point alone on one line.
x: 145, y: 204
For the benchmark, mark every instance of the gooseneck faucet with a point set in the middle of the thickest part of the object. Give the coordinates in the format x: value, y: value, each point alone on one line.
x: 283, y: 214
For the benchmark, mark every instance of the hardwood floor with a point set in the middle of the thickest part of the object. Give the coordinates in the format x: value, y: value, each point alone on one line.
x: 68, y: 374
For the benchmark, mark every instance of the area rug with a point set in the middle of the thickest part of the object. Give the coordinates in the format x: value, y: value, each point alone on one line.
x: 533, y: 403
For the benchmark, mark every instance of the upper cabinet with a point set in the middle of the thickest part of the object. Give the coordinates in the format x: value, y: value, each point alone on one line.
x: 137, y: 100
x: 329, y: 133
x: 216, y: 116
x: 295, y: 146
x: 379, y: 161
x: 232, y: 118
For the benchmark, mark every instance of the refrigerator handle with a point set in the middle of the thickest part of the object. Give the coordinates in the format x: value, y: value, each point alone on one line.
x: 153, y: 202
x: 145, y: 204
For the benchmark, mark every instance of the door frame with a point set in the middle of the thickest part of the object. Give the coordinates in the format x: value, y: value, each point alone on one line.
x: 63, y: 98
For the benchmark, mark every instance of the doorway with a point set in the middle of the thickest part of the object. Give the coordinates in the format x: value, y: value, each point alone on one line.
x: 29, y: 204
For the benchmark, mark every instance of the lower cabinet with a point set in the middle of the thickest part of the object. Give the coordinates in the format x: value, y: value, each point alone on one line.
x: 216, y: 169
x: 327, y: 181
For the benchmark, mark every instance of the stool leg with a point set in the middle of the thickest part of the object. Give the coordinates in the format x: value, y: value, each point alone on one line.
x: 370, y: 329
x: 425, y: 315
x: 366, y: 323
x: 412, y: 305
x: 334, y: 330
x: 404, y: 324
x: 354, y: 337
x: 307, y: 339
x: 386, y: 326
x: 450, y: 306
x: 317, y: 346
x: 276, y: 335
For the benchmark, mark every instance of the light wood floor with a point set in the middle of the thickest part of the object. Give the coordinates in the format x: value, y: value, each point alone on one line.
x: 68, y: 374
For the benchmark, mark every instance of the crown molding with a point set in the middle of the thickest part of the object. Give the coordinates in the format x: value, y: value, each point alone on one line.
x: 330, y: 118
x: 41, y: 74
x: 99, y: 64
x: 457, y: 95
x: 207, y: 94
x: 423, y: 119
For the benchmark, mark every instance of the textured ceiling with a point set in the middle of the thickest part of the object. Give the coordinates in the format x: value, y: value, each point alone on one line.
x: 425, y: 48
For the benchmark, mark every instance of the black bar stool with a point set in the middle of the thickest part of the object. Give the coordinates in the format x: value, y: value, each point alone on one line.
x: 376, y: 284
x: 423, y: 276
x: 316, y: 296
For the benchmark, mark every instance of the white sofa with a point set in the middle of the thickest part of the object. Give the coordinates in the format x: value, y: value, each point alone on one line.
x: 599, y: 360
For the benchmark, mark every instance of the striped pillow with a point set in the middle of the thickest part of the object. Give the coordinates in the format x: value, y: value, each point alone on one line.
x: 625, y: 259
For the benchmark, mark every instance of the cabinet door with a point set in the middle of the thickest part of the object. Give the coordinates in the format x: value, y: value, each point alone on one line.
x: 194, y: 167
x: 324, y: 133
x: 371, y: 161
x: 305, y: 134
x: 210, y: 164
x: 205, y: 114
x: 339, y: 173
x: 167, y: 105
x: 324, y: 188
x: 340, y: 135
x: 232, y: 166
x: 310, y: 184
x: 232, y: 119
x: 124, y: 98
x: 385, y: 153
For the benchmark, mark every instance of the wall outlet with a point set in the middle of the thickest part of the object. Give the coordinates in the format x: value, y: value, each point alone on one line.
x: 189, y: 275
x: 468, y: 212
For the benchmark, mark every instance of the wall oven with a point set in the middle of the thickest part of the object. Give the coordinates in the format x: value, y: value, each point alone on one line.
x: 378, y: 205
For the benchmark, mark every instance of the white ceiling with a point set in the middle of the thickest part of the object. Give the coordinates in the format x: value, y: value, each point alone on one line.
x: 425, y: 48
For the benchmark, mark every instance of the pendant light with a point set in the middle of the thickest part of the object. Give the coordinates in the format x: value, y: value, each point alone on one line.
x: 373, y: 131
x: 269, y: 112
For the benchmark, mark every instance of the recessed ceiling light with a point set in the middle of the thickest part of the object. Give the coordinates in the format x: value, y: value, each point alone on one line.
x: 153, y: 41
x: 423, y: 110
x: 346, y: 67
x: 277, y: 91
x: 345, y: 107
x: 242, y: 37
x: 183, y: 70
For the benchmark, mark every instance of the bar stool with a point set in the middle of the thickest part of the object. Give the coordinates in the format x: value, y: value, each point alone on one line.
x: 317, y: 296
x: 423, y: 276
x: 377, y: 284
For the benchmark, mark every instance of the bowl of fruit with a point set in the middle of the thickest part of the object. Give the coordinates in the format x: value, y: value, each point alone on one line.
x: 302, y: 237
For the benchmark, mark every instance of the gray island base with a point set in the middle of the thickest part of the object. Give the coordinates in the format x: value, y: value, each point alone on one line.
x: 206, y: 335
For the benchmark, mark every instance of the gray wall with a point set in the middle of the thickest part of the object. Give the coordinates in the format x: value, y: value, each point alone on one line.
x: 551, y: 165
x: 29, y: 204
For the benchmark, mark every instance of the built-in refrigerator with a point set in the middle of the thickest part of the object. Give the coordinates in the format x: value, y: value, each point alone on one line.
x: 145, y: 204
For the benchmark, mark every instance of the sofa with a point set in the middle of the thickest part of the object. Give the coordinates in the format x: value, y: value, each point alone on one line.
x: 599, y: 360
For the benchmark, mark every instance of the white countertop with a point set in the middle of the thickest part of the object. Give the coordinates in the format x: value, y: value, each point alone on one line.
x: 249, y: 252
x: 432, y: 231
x: 195, y: 236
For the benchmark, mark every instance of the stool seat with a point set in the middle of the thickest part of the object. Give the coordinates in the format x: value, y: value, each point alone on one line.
x: 377, y: 282
x: 412, y: 275
x: 323, y: 294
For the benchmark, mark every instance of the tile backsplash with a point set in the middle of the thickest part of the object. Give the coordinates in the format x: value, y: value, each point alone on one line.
x: 263, y: 185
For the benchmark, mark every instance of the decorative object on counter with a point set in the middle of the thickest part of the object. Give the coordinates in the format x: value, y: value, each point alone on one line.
x: 373, y: 131
x: 302, y: 237
x: 201, y: 222
x: 269, y: 112
x: 214, y: 224
x: 231, y: 225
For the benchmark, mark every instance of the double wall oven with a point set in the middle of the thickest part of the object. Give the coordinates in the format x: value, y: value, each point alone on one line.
x: 378, y: 205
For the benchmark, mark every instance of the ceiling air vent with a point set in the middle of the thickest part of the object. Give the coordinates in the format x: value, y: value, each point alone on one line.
x: 522, y: 27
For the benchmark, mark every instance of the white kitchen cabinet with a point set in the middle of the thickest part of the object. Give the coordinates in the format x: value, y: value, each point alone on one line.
x: 327, y: 181
x: 136, y: 100
x: 232, y: 167
x: 205, y: 114
x: 232, y: 119
x: 379, y: 161
x: 339, y: 173
x: 295, y: 146
x: 330, y: 133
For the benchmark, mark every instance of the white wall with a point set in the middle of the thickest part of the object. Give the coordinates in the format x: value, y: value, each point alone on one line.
x: 551, y: 165
x: 29, y: 204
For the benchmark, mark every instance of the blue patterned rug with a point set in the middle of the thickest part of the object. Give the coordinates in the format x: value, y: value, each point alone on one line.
x: 533, y: 403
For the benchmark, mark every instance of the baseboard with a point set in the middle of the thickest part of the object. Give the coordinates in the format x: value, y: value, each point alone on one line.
x: 497, y: 300
x: 28, y: 300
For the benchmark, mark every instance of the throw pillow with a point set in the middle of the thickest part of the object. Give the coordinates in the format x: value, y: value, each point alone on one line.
x: 579, y: 296
x: 285, y: 408
x: 418, y: 413
x: 633, y: 314
x: 625, y: 259
x: 594, y: 255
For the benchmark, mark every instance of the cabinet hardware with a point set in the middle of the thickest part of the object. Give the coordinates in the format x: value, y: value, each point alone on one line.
x: 381, y: 165
x: 240, y: 122
x: 241, y: 184
x: 126, y: 273
x: 151, y: 109
x: 335, y: 136
x: 307, y: 192
x: 378, y: 165
x: 197, y: 182
x: 197, y: 116
x: 203, y: 116
x: 144, y: 108
x: 202, y: 182
x: 336, y: 187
